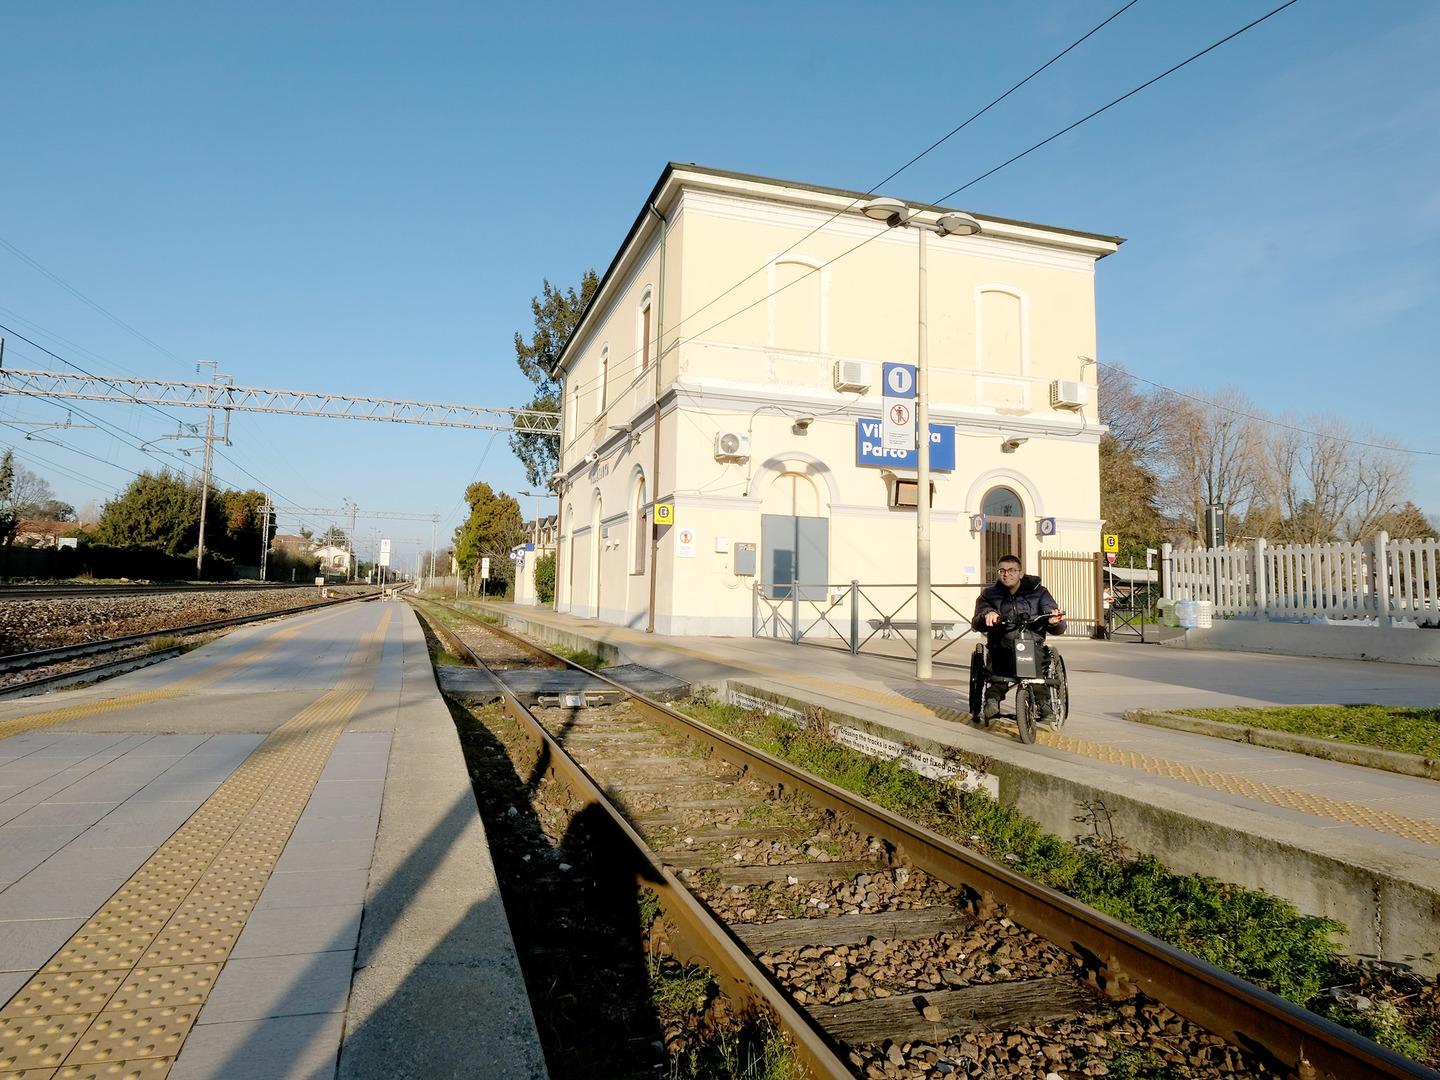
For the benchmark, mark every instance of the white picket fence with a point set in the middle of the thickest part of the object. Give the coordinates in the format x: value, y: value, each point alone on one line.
x: 1384, y: 579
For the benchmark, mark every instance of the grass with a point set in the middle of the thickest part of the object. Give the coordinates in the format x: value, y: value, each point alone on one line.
x: 584, y: 657
x: 1385, y: 727
x: 1259, y: 937
x: 168, y: 641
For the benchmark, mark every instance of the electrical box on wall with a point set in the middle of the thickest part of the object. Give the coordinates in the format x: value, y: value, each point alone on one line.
x: 852, y: 375
x: 744, y: 560
x: 1065, y: 394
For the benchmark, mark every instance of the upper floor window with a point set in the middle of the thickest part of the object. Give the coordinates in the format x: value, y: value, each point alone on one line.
x: 600, y: 391
x: 644, y: 329
x: 1001, y: 332
x: 797, y: 304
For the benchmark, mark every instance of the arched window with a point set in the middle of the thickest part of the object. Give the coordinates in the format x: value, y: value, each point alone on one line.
x: 1004, y: 528
x: 642, y: 328
x: 604, y: 380
x: 639, y: 525
x: 1001, y: 335
x: 797, y: 304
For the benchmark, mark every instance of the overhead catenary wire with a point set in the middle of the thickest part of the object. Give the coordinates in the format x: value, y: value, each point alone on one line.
x: 990, y: 172
x: 86, y: 300
x: 875, y: 187
x: 1270, y: 420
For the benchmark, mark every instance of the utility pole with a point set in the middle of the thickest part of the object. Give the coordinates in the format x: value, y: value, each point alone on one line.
x: 264, y: 535
x: 215, y: 377
x: 204, y: 494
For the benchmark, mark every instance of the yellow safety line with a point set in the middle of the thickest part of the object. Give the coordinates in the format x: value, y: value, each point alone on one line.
x: 1351, y: 813
x: 252, y: 654
x: 120, y: 997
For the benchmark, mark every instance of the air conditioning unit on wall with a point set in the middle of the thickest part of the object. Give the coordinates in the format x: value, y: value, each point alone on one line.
x: 852, y: 375
x: 1065, y: 394
x: 732, y: 445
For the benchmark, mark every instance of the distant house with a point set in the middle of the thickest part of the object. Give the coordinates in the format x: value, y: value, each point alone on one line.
x: 335, y: 560
x: 46, y: 534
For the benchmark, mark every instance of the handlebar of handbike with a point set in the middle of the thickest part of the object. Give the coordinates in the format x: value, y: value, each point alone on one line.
x: 1017, y: 621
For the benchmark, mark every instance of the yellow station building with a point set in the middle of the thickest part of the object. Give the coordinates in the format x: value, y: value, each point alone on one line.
x: 727, y: 374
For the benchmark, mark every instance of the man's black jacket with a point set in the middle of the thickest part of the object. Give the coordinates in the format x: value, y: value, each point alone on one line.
x: 1030, y: 600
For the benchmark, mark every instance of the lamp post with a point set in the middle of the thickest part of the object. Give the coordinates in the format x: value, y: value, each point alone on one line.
x: 895, y: 213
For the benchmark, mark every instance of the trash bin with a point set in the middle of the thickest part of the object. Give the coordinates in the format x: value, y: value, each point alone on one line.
x: 1185, y: 614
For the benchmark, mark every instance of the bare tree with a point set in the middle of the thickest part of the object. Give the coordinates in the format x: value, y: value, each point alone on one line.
x: 1136, y: 418
x: 1327, y: 481
x: 1213, y: 454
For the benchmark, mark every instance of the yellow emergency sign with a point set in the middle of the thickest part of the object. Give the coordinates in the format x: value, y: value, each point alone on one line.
x: 1112, y: 542
x: 664, y: 513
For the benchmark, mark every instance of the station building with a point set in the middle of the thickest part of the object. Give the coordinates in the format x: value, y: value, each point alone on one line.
x: 727, y: 374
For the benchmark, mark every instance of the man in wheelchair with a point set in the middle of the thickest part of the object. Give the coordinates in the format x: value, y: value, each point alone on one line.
x: 1015, y: 597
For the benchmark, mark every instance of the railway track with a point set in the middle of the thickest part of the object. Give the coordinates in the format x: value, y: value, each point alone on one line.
x: 882, y: 948
x: 58, y: 592
x: 63, y: 657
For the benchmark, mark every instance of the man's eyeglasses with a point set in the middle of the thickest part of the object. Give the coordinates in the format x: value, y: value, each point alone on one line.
x: 1010, y: 570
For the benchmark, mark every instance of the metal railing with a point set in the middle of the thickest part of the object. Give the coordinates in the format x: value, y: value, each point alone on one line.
x: 852, y: 616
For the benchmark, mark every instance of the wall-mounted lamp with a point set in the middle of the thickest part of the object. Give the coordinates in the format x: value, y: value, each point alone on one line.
x: 802, y: 424
x: 1009, y: 446
x: 622, y: 429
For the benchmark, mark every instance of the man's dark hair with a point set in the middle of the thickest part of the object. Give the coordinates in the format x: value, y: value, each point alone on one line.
x: 1007, y: 559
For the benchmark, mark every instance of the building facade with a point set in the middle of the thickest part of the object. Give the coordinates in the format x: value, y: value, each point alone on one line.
x: 749, y: 413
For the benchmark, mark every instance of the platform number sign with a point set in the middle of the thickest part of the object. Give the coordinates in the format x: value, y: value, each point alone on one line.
x: 898, y: 419
x: 1111, y: 544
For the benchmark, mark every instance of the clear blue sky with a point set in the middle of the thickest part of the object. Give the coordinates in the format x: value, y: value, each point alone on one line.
x: 364, y: 197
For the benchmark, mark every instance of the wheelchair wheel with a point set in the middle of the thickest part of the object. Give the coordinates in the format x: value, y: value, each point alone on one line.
x: 977, y: 685
x: 1060, y: 699
x: 1025, y: 713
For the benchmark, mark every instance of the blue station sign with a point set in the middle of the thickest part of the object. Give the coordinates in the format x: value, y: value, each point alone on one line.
x: 870, y: 448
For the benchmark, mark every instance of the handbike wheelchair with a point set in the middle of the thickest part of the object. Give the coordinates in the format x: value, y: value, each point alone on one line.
x: 1020, y: 659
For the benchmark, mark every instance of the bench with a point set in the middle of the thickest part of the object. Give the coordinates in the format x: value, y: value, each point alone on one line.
x: 939, y: 628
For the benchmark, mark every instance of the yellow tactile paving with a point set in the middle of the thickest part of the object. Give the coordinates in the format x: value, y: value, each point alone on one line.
x: 119, y: 998
x: 251, y: 655
x: 1352, y: 813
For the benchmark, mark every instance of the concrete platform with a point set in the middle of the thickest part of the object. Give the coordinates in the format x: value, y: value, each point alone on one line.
x: 1359, y: 845
x: 262, y: 859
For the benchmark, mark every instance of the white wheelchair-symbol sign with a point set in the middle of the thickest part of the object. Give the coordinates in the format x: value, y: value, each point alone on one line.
x: 900, y: 380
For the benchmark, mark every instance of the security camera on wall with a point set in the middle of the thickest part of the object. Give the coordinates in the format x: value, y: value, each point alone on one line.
x: 592, y: 457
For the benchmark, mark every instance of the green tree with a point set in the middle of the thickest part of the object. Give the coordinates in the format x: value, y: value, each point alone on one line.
x: 334, y: 536
x: 9, y: 511
x: 1406, y: 522
x: 492, y: 529
x: 1128, y: 493
x: 240, y: 513
x: 159, y: 510
x: 545, y: 578
x: 556, y: 313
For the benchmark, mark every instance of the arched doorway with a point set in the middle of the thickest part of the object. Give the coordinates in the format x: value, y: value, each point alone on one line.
x: 794, y: 538
x: 1004, y: 528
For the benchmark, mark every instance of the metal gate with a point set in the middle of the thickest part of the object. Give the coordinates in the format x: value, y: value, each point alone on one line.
x: 1076, y: 580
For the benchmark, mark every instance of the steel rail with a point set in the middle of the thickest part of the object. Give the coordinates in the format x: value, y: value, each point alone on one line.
x: 66, y: 592
x: 58, y: 653
x: 1117, y: 957
x: 700, y: 936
